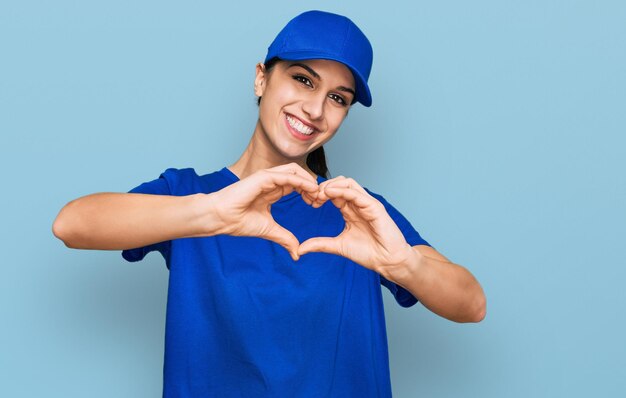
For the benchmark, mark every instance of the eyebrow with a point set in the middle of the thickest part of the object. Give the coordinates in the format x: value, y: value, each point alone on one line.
x: 317, y: 76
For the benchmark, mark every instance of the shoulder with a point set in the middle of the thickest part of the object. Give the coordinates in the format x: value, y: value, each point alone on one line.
x: 174, y: 173
x: 182, y: 181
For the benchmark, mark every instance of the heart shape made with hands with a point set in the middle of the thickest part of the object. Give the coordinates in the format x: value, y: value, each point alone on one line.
x: 370, y: 237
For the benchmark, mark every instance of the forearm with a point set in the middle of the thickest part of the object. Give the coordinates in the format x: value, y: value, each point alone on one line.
x: 446, y: 289
x: 117, y: 221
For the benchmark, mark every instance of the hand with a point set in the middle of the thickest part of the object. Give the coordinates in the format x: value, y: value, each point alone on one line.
x: 370, y: 238
x: 243, y: 208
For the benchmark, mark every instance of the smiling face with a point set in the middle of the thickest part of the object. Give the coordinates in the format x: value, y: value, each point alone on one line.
x: 303, y: 104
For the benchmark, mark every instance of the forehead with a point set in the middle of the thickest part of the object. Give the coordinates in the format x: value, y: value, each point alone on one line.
x: 332, y: 71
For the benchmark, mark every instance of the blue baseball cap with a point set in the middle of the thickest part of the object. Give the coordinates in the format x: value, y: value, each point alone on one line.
x: 323, y: 35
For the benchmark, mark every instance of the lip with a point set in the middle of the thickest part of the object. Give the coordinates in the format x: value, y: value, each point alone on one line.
x: 297, y: 134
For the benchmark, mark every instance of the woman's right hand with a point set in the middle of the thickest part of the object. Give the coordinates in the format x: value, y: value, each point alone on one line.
x: 243, y: 208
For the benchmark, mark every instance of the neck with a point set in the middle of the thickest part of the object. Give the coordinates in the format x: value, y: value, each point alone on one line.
x: 261, y: 154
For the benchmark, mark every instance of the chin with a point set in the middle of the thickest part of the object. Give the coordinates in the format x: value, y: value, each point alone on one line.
x: 292, y: 152
x: 295, y: 157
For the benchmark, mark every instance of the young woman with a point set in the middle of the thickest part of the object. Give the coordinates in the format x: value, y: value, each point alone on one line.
x: 276, y: 269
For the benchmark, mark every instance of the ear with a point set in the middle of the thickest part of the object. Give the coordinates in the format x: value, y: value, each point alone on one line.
x: 259, y: 80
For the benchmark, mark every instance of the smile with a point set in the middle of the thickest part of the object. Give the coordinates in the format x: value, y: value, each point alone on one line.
x: 298, y: 126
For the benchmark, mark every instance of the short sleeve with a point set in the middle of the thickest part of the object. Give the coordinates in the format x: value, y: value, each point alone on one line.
x: 402, y: 296
x: 160, y: 186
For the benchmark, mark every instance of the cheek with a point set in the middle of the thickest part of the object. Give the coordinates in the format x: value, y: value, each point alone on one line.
x: 335, y: 118
x: 272, y: 104
x: 280, y: 94
x: 270, y: 109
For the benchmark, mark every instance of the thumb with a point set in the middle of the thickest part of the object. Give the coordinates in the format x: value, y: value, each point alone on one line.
x: 326, y: 245
x: 284, y: 238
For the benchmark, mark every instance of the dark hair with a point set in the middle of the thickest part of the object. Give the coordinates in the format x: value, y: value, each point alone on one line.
x: 315, y: 160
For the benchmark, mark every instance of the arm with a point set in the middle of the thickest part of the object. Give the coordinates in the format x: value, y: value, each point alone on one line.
x: 372, y: 239
x: 118, y: 221
x: 114, y: 221
x: 445, y: 288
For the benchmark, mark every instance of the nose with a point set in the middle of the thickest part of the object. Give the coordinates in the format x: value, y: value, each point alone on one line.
x: 313, y: 106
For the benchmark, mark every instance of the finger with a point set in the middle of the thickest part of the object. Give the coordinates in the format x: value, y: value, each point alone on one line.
x: 272, y: 180
x: 339, y: 194
x: 293, y: 168
x: 321, y: 197
x: 308, y: 192
x: 309, y: 198
x: 348, y: 183
x: 285, y: 238
x: 312, y: 198
x: 338, y: 202
x: 316, y: 203
x: 326, y: 245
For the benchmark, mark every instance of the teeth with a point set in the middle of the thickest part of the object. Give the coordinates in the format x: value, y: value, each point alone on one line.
x: 297, y: 125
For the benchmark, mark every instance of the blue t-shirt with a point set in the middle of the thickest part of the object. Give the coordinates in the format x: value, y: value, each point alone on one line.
x: 245, y: 320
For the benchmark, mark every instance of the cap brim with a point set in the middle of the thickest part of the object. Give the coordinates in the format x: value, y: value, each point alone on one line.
x: 363, y: 94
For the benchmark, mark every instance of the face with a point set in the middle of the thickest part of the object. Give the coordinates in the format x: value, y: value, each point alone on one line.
x: 303, y: 104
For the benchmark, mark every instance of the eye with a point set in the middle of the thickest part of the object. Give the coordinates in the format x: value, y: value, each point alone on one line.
x: 339, y: 99
x: 303, y: 79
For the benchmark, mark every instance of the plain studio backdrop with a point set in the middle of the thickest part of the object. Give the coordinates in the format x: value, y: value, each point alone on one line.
x: 497, y: 128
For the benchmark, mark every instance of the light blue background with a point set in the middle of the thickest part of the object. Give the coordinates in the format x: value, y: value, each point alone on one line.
x: 497, y: 129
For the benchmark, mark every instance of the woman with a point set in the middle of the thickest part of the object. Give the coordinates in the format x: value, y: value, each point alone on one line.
x: 244, y: 316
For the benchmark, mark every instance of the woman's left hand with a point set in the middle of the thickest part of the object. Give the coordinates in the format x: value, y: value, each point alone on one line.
x: 370, y: 237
